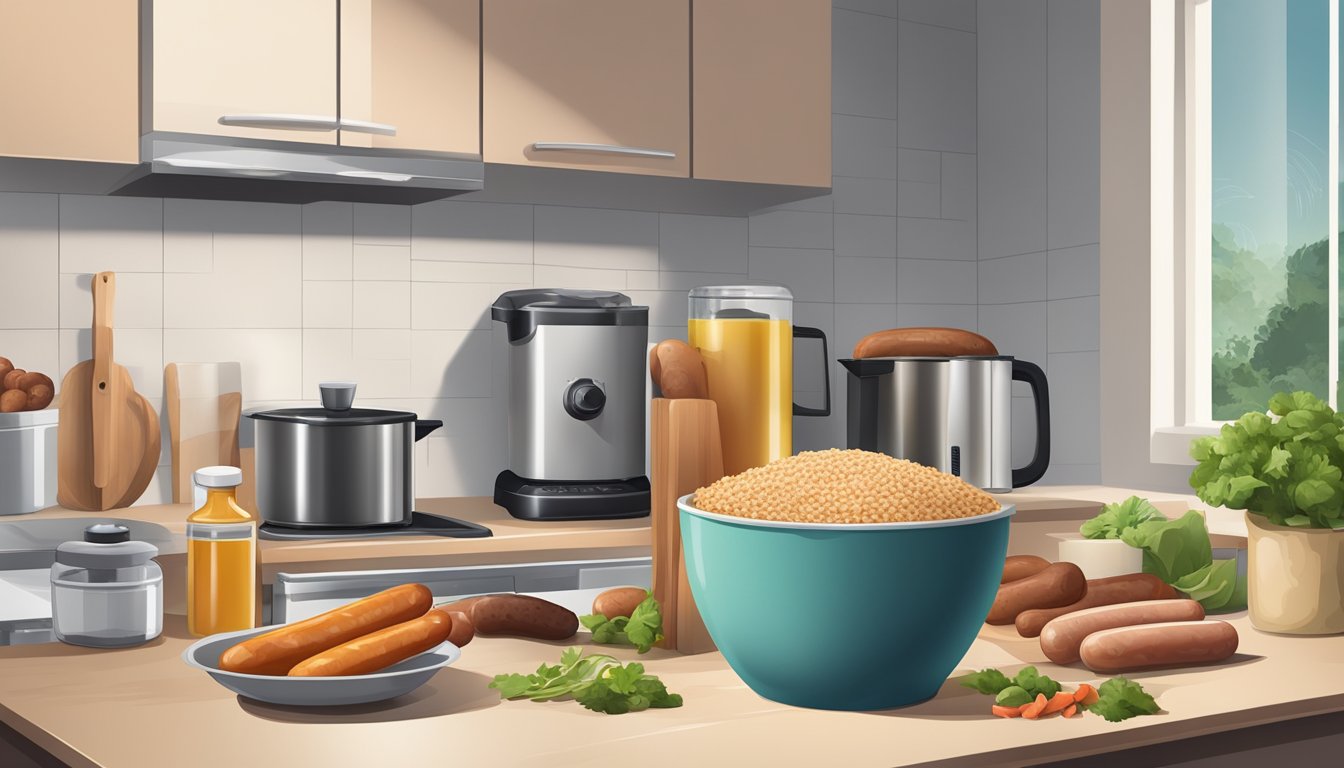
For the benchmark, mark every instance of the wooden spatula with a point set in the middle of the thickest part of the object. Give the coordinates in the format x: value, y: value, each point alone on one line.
x: 108, y: 434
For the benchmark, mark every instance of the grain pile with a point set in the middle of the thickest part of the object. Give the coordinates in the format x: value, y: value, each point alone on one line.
x: 838, y: 486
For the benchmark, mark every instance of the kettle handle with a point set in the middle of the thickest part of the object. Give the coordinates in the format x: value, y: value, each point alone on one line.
x: 805, y: 332
x: 1040, y: 394
x: 424, y: 426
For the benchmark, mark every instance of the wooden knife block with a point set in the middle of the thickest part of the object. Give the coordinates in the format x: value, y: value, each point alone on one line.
x: 687, y: 453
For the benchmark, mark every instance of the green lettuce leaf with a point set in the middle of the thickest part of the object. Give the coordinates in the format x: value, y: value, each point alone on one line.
x: 1172, y: 549
x: 1115, y: 518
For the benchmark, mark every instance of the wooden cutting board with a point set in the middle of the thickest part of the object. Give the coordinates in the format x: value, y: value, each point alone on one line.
x: 108, y: 434
x: 203, y: 403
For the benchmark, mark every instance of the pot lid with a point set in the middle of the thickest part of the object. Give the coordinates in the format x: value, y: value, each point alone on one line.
x: 105, y: 545
x: 767, y: 292
x: 522, y: 311
x: 337, y: 397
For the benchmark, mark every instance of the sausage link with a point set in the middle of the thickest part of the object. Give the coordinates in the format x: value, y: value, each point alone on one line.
x: 380, y: 649
x: 275, y: 652
x: 1151, y: 646
x: 463, y: 629
x: 523, y: 615
x: 1129, y: 588
x: 1062, y: 638
x: 1059, y: 584
x: 1021, y: 566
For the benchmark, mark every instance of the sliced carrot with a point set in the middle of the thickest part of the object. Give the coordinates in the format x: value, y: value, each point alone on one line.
x: 1033, y: 710
x: 1086, y: 695
x: 1006, y: 711
x: 1071, y: 710
x: 1058, y: 703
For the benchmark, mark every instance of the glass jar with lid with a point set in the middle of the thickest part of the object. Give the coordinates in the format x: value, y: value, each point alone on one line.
x: 106, y: 590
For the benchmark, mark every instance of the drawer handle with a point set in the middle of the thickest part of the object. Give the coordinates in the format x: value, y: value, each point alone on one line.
x: 282, y: 122
x: 610, y: 149
x: 364, y: 126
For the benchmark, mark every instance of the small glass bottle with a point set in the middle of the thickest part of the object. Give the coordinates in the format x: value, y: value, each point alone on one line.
x: 221, y: 557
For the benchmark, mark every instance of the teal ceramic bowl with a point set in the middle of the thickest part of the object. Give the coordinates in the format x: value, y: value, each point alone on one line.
x: 843, y: 616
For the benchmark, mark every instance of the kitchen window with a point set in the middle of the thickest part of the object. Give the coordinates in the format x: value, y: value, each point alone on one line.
x: 1254, y: 280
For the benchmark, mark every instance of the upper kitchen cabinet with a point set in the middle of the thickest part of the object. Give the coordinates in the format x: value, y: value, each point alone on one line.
x: 413, y: 67
x: 762, y: 95
x: 252, y: 69
x: 588, y: 84
x: 69, y: 80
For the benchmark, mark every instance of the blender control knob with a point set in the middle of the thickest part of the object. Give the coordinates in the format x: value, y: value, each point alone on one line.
x: 584, y: 399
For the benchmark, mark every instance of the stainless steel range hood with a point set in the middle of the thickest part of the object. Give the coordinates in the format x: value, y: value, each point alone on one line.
x: 228, y: 168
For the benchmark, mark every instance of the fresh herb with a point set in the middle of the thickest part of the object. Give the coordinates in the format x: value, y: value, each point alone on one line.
x: 1115, y: 518
x: 1013, y: 696
x: 1028, y: 680
x: 642, y: 628
x: 1284, y: 466
x: 1121, y: 699
x: 598, y: 682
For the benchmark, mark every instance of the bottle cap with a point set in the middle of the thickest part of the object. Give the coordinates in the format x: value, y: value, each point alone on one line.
x: 218, y: 477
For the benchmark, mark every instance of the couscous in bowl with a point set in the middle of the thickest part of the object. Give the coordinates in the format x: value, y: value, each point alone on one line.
x: 843, y: 615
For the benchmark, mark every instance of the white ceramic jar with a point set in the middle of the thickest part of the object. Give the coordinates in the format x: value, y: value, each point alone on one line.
x: 27, y: 461
x: 106, y: 591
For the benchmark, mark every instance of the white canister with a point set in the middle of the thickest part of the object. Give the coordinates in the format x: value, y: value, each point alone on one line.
x: 106, y: 590
x: 1100, y: 558
x: 27, y: 461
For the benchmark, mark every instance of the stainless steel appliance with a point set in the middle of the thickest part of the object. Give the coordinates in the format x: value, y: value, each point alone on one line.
x: 106, y: 590
x: 337, y: 466
x: 950, y: 413
x: 27, y: 461
x: 576, y: 405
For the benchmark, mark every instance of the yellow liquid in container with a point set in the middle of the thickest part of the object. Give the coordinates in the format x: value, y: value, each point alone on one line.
x: 749, y: 363
x: 221, y: 566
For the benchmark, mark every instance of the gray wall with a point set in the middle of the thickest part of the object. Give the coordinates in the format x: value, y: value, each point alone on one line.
x: 1039, y: 153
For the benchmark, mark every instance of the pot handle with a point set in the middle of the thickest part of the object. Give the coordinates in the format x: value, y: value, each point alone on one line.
x: 804, y: 332
x: 1040, y: 394
x: 424, y: 426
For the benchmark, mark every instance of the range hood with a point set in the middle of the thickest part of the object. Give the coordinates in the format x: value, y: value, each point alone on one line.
x: 229, y: 168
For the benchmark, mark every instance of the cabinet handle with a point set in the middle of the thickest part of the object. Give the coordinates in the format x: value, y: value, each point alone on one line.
x: 364, y: 126
x: 282, y: 122
x: 610, y: 149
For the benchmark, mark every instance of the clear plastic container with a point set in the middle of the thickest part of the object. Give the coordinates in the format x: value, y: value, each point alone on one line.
x: 106, y: 591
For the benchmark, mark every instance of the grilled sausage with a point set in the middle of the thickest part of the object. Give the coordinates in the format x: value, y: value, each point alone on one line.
x: 621, y: 601
x: 380, y: 649
x: 276, y: 652
x: 936, y: 342
x: 463, y: 629
x: 1150, y: 646
x: 1129, y: 588
x: 1021, y: 566
x: 1062, y: 638
x: 1059, y: 584
x: 523, y: 615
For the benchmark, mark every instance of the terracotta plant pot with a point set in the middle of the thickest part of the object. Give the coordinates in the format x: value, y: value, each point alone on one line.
x: 1296, y: 578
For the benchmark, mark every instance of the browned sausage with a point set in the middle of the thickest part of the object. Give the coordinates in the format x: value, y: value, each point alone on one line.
x: 1062, y: 638
x: 937, y: 342
x: 463, y: 629
x: 1021, y: 566
x: 1150, y: 646
x: 621, y: 601
x: 380, y: 649
x: 1059, y: 584
x: 1129, y: 588
x: 523, y: 615
x: 274, y: 653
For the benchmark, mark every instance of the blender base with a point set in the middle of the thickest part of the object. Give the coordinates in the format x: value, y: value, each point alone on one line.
x: 572, y: 500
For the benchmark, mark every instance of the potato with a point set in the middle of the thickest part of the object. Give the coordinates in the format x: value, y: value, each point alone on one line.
x: 13, y: 401
x: 11, y: 380
x: 5, y: 367
x: 620, y: 601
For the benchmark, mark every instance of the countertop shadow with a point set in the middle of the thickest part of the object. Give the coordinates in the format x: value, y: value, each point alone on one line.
x: 449, y: 692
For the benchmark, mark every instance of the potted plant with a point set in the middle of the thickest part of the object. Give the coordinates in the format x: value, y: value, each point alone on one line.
x: 1284, y: 469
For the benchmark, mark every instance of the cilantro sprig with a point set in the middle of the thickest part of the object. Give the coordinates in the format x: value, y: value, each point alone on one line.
x: 1029, y: 681
x: 1120, y: 699
x: 597, y: 681
x: 1117, y: 699
x: 642, y: 629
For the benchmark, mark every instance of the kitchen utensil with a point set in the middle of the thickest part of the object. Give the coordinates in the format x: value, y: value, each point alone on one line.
x: 777, y: 597
x: 921, y: 342
x: 106, y: 590
x: 745, y: 334
x: 27, y: 461
x: 108, y: 434
x: 950, y: 413
x: 678, y: 370
x: 577, y: 405
x: 203, y: 402
x: 337, y: 466
x: 396, y: 680
x: 686, y: 454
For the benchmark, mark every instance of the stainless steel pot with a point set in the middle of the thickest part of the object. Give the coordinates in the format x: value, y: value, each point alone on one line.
x: 337, y: 466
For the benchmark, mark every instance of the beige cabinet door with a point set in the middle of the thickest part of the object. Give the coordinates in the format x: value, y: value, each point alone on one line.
x: 591, y: 84
x: 411, y: 74
x: 762, y: 91
x: 268, y: 69
x: 70, y: 79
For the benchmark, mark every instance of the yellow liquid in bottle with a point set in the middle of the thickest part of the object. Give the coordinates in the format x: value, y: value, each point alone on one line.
x: 221, y: 566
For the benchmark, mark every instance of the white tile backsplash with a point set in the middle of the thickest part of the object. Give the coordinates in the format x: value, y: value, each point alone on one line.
x: 118, y: 234
x: 1013, y: 279
x: 863, y: 64
x: 595, y: 237
x: 810, y: 275
x: 382, y: 304
x: 382, y: 262
x: 871, y: 237
x: 328, y: 241
x: 936, y: 239
x: 864, y: 281
x: 328, y: 304
x: 935, y: 281
x: 493, y: 233
x: 29, y: 261
x: 937, y: 88
x: 864, y: 146
x: 382, y: 224
x: 702, y: 243
x: 874, y: 197
x: 791, y: 229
